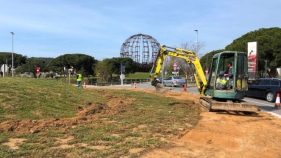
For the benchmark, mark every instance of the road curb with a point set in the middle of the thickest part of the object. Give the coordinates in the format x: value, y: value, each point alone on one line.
x: 273, y: 114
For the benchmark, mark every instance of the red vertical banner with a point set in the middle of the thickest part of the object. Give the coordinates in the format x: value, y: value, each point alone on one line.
x: 175, y: 66
x: 37, y: 70
x: 252, y: 60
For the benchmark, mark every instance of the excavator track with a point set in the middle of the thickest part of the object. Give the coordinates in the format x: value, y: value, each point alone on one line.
x: 211, y: 104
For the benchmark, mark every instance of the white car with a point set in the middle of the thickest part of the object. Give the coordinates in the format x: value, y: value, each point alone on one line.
x: 174, y: 81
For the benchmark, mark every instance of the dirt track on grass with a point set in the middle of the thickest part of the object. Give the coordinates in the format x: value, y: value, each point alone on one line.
x: 85, y: 114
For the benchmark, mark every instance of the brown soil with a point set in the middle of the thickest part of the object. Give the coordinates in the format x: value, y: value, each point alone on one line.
x: 217, y: 134
x: 221, y: 135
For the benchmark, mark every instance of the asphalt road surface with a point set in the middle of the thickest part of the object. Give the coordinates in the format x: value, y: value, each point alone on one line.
x: 262, y: 104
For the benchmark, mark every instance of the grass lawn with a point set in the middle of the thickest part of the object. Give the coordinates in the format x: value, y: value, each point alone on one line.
x: 48, y: 118
x: 139, y: 75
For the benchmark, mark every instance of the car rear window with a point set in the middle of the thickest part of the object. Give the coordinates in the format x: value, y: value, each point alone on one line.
x: 177, y: 78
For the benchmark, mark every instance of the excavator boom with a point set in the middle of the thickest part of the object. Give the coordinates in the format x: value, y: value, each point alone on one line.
x: 191, y: 59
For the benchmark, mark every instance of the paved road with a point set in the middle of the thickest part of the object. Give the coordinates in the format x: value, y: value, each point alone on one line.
x: 262, y: 104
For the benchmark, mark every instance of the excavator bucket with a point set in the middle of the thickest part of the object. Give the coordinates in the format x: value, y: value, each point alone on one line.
x: 160, y: 88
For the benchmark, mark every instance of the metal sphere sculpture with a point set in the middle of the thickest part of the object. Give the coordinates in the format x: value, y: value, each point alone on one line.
x: 141, y: 48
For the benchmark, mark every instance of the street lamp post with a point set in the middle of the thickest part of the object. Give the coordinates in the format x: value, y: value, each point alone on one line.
x: 265, y: 69
x: 196, y: 46
x: 196, y: 42
x: 12, y: 33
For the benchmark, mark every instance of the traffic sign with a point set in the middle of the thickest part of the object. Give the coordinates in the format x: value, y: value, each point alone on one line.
x: 37, y: 70
x: 122, y: 76
x: 4, y: 68
x: 175, y: 66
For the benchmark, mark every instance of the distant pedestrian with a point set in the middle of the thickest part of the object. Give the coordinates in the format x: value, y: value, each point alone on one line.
x: 79, y: 79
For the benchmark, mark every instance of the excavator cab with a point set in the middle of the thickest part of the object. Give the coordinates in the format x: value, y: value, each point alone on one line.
x: 235, y: 81
x: 230, y: 97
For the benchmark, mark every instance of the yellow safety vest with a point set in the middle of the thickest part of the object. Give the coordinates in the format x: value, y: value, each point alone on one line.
x: 79, y: 77
x: 222, y: 81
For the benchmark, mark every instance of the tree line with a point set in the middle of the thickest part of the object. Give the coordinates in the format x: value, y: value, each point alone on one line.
x: 269, y: 48
x: 72, y: 63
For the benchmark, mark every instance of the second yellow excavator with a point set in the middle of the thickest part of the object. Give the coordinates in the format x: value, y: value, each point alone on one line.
x: 219, y: 91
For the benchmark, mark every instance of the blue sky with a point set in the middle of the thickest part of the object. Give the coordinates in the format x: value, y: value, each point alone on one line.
x: 50, y: 28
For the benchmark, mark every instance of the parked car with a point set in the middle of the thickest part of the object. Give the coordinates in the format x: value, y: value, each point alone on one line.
x: 266, y: 88
x: 174, y: 81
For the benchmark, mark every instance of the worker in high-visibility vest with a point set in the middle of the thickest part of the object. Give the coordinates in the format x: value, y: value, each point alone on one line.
x: 79, y: 79
x: 221, y: 82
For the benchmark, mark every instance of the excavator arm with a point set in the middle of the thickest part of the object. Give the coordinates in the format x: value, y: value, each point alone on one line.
x: 191, y: 59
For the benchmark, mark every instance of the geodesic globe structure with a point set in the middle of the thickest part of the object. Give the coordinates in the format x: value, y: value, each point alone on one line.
x: 141, y: 48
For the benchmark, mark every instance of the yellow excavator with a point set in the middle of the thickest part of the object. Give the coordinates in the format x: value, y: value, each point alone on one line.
x: 214, y: 95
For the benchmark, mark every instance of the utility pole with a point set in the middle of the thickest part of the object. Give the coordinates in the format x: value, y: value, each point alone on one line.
x: 196, y: 46
x: 265, y: 69
x: 12, y: 54
x: 196, y: 42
